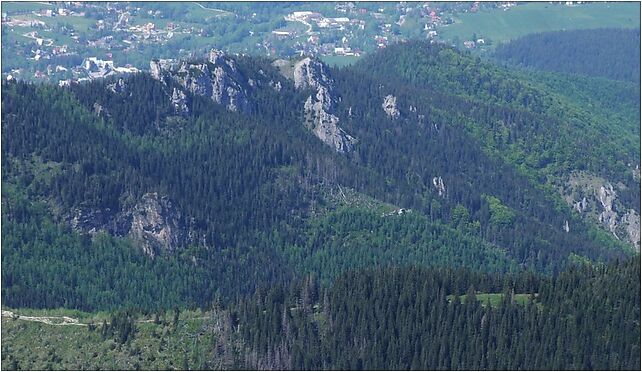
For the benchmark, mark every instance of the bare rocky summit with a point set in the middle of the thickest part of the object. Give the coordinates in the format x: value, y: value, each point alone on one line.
x: 217, y: 78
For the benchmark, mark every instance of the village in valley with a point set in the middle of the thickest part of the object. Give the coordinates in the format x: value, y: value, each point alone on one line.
x: 69, y: 42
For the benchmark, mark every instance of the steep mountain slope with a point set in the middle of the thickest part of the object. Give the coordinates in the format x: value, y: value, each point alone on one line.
x: 224, y: 173
x: 548, y: 134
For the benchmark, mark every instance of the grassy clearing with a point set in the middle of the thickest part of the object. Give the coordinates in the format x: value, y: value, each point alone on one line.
x: 339, y: 61
x: 500, y: 26
x: 19, y: 7
x: 495, y: 299
x: 78, y: 23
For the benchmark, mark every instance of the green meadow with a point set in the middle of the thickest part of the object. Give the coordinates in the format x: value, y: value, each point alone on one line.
x: 499, y: 26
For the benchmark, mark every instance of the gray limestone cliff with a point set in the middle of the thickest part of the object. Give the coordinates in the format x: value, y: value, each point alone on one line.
x: 596, y: 198
x: 153, y: 223
x: 389, y: 105
x: 319, y: 108
x: 311, y: 74
x: 157, y: 225
x: 179, y: 101
x: 217, y: 78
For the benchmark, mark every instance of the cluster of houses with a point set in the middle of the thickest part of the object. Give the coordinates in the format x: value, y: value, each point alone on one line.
x: 98, y: 68
x: 312, y: 45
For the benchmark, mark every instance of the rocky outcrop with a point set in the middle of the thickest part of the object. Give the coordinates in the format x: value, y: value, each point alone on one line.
x: 179, y: 101
x: 597, y: 199
x: 276, y: 86
x: 389, y: 105
x: 227, y: 91
x: 319, y: 108
x: 155, y: 69
x: 439, y: 185
x: 157, y: 225
x: 98, y: 109
x: 580, y: 205
x: 215, y: 56
x: 631, y: 222
x: 118, y: 87
x: 158, y: 68
x: 217, y: 78
x: 311, y: 74
x: 89, y: 220
x: 608, y: 217
x: 325, y: 125
x: 153, y: 222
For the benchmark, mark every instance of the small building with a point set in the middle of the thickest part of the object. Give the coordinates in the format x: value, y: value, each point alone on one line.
x: 469, y: 44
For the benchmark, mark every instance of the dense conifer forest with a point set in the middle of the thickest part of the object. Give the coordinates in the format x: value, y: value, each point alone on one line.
x: 608, y: 53
x: 442, y: 241
x: 419, y: 319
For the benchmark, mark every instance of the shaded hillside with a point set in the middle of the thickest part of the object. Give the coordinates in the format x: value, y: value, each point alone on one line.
x: 610, y: 53
x: 549, y: 127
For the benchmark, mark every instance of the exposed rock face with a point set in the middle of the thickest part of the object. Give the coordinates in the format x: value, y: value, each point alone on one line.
x: 319, y: 108
x: 438, y: 182
x: 631, y: 220
x: 309, y: 73
x: 215, y: 56
x: 179, y: 101
x: 118, y: 87
x: 217, y: 78
x: 581, y: 205
x: 325, y: 125
x: 227, y: 91
x: 389, y: 105
x: 597, y: 198
x: 155, y: 69
x: 159, y: 67
x: 608, y: 217
x: 156, y: 224
x: 89, y: 220
x: 276, y: 86
x: 153, y: 222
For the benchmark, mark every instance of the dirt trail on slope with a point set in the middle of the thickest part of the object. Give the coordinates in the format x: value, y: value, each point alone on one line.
x: 65, y: 320
x: 51, y: 320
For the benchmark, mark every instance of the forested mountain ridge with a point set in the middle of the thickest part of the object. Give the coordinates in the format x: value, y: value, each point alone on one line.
x: 542, y: 124
x: 609, y: 53
x: 228, y: 173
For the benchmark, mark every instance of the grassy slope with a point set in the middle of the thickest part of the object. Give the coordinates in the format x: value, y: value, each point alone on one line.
x: 13, y: 6
x: 495, y: 299
x: 339, y: 61
x: 37, y: 346
x: 501, y: 25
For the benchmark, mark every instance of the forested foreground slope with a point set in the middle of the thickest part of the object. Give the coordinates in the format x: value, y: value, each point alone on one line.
x: 396, y: 319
